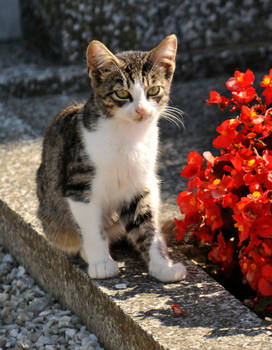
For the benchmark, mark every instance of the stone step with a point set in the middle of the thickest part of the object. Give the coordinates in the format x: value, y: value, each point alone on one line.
x: 132, y: 311
x: 32, y: 80
x: 27, y: 74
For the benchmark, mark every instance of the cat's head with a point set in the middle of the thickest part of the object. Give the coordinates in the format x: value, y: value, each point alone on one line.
x: 132, y: 86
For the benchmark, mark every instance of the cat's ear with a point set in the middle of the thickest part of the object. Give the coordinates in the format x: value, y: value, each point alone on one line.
x: 165, y: 53
x: 99, y: 58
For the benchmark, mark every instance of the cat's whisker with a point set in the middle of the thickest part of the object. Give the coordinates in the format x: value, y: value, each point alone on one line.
x: 175, y: 121
x: 176, y: 109
x: 171, y: 119
x: 174, y: 115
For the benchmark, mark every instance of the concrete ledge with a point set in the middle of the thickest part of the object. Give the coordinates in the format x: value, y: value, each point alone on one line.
x: 138, y: 316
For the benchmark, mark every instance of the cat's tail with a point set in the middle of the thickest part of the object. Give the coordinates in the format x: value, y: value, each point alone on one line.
x: 60, y: 230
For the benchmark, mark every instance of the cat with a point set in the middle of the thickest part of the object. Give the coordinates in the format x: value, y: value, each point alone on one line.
x: 97, y: 179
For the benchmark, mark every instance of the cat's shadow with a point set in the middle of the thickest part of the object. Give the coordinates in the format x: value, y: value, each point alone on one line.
x: 130, y: 261
x: 120, y: 251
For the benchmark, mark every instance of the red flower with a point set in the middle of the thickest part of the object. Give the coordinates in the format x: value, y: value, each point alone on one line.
x: 219, y: 188
x: 228, y: 133
x: 222, y: 252
x: 181, y: 228
x: 215, y: 97
x: 193, y: 183
x: 213, y: 216
x: 266, y: 248
x: 249, y: 115
x: 263, y: 226
x: 229, y: 202
x: 251, y: 270
x: 267, y: 80
x: 267, y: 272
x: 252, y: 220
x: 177, y: 311
x: 187, y: 203
x: 221, y: 101
x: 265, y: 287
x: 244, y: 96
x: 209, y: 157
x: 240, y: 80
x: 237, y: 175
x: 204, y: 234
x: 267, y: 93
x: 195, y: 162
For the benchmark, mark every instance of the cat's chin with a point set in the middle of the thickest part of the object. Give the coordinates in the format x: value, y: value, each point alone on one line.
x: 141, y: 119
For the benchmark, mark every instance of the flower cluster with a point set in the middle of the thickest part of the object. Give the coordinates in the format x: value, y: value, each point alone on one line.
x: 229, y: 199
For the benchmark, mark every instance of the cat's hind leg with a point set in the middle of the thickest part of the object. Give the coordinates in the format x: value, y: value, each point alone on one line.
x: 140, y: 218
x: 95, y: 249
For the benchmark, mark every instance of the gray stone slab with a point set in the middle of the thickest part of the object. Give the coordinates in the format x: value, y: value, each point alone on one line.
x: 33, y: 80
x: 10, y: 25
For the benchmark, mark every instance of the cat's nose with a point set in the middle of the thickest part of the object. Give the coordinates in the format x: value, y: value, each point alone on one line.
x: 141, y: 111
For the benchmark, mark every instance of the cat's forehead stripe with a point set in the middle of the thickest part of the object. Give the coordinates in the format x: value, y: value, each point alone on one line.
x: 137, y: 90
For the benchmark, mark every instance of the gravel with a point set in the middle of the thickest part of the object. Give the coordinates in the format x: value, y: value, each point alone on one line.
x: 30, y: 319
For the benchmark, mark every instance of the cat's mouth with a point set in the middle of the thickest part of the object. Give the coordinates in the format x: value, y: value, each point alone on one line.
x: 140, y: 118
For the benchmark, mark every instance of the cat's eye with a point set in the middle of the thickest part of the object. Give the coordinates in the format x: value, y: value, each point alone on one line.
x: 153, y: 91
x: 122, y: 94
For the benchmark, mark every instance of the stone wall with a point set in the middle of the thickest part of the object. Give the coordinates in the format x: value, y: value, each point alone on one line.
x: 213, y: 34
x: 9, y: 20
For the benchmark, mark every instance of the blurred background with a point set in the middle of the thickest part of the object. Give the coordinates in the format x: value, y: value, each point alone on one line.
x: 215, y: 36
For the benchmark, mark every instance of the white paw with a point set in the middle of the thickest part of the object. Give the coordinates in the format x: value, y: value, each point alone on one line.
x: 103, y: 269
x: 168, y: 272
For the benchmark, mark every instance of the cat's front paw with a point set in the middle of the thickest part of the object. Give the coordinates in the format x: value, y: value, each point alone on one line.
x: 103, y: 269
x: 168, y: 272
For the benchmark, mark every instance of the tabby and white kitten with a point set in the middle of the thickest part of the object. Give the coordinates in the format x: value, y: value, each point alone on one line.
x: 97, y: 179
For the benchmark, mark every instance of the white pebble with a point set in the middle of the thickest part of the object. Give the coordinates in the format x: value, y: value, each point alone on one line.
x: 3, y: 297
x: 45, y: 313
x: 49, y: 347
x: 43, y: 340
x: 20, y: 272
x: 8, y: 258
x: 70, y: 332
x: 120, y: 286
x: 64, y: 321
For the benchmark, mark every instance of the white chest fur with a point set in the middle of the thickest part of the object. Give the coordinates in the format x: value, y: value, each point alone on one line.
x: 124, y: 157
